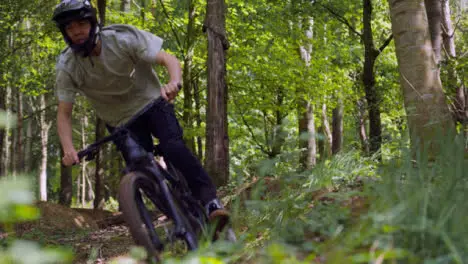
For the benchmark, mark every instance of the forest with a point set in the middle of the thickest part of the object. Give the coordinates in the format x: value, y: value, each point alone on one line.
x: 336, y: 131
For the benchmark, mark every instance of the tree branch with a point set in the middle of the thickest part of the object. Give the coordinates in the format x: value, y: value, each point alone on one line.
x: 38, y: 111
x: 454, y: 29
x: 385, y: 44
x: 179, y: 44
x: 15, y: 49
x: 249, y: 128
x: 341, y: 19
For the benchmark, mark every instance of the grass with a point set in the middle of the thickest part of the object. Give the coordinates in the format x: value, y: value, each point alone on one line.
x: 352, y: 210
x: 349, y: 209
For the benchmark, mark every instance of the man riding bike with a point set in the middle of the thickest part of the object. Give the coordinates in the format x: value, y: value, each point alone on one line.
x: 112, y: 67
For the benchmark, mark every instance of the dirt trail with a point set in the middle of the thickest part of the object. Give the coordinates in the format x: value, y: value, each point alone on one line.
x: 79, y: 230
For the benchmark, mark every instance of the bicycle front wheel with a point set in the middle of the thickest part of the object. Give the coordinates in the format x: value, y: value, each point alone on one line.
x: 134, y: 187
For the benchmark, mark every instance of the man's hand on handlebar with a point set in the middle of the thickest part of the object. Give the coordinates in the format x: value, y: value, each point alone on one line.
x: 170, y: 90
x: 70, y: 157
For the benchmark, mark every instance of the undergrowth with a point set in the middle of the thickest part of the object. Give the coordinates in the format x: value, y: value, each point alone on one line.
x: 348, y: 209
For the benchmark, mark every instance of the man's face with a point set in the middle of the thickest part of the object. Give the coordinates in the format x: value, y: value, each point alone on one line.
x: 78, y: 31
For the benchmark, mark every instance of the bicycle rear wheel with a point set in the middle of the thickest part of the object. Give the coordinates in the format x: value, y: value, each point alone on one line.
x: 133, y: 187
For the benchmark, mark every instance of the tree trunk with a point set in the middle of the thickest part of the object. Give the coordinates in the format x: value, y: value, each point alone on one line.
x: 327, y: 134
x: 45, y: 127
x: 217, y: 141
x: 434, y: 17
x: 2, y: 129
x: 6, y: 154
x: 125, y: 5
x: 198, y: 118
x: 12, y: 165
x: 101, y: 6
x: 28, y: 146
x: 6, y: 151
x: 187, y: 76
x: 427, y: 112
x: 99, y: 133
x: 337, y: 123
x: 455, y: 84
x: 78, y: 190
x: 447, y: 29
x: 308, y: 158
x: 90, y: 193
x: 361, y: 125
x: 84, y: 125
x: 372, y: 96
x: 13, y: 134
x: 278, y: 135
x: 109, y: 172
x: 19, y: 161
x: 66, y: 184
x: 98, y: 173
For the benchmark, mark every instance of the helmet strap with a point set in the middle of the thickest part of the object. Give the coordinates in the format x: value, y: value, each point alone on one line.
x: 85, y: 49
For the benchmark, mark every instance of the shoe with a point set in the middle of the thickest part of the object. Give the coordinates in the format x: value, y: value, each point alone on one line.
x: 217, y: 215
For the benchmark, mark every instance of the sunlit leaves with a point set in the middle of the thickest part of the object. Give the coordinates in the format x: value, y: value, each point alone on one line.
x: 16, y: 201
x: 6, y: 119
x: 35, y: 254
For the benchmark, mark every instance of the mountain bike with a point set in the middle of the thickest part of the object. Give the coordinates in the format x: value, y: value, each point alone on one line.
x: 146, y: 183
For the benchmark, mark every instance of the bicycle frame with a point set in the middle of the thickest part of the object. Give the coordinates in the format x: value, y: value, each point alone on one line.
x: 138, y: 159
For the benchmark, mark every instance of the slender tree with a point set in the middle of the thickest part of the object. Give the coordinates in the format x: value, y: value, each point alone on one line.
x: 125, y: 5
x: 361, y: 124
x: 217, y: 141
x: 66, y: 184
x: 81, y: 186
x: 196, y: 92
x: 6, y: 151
x: 434, y: 17
x: 337, y: 124
x: 371, y: 54
x: 325, y: 130
x: 99, y: 133
x: 28, y: 145
x: 19, y: 152
x: 455, y: 85
x: 187, y: 74
x: 372, y: 95
x: 45, y: 126
x: 306, y: 109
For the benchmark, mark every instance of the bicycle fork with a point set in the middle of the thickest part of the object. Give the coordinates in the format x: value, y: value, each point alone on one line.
x: 179, y: 229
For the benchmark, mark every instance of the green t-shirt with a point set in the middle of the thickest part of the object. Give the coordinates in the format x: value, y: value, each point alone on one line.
x: 120, y: 81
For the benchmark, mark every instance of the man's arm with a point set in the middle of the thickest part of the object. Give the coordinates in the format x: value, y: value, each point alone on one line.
x: 170, y: 90
x: 64, y: 129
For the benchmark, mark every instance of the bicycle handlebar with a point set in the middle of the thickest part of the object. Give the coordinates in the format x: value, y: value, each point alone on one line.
x: 90, y: 152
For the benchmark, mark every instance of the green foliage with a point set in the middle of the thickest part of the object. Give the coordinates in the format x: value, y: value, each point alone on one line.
x: 34, y: 254
x: 15, y: 201
x: 416, y: 212
x: 16, y: 204
x: 267, y: 79
x: 425, y: 202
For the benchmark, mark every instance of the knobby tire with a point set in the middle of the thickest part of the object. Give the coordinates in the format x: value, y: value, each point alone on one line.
x: 135, y: 213
x: 138, y: 218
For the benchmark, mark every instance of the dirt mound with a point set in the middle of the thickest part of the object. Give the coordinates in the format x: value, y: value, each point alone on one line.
x: 56, y: 218
x: 95, y: 214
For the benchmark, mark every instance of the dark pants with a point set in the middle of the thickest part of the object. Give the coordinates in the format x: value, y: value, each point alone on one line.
x: 161, y: 122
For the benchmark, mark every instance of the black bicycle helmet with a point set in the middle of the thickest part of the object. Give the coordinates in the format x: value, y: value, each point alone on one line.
x: 70, y: 10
